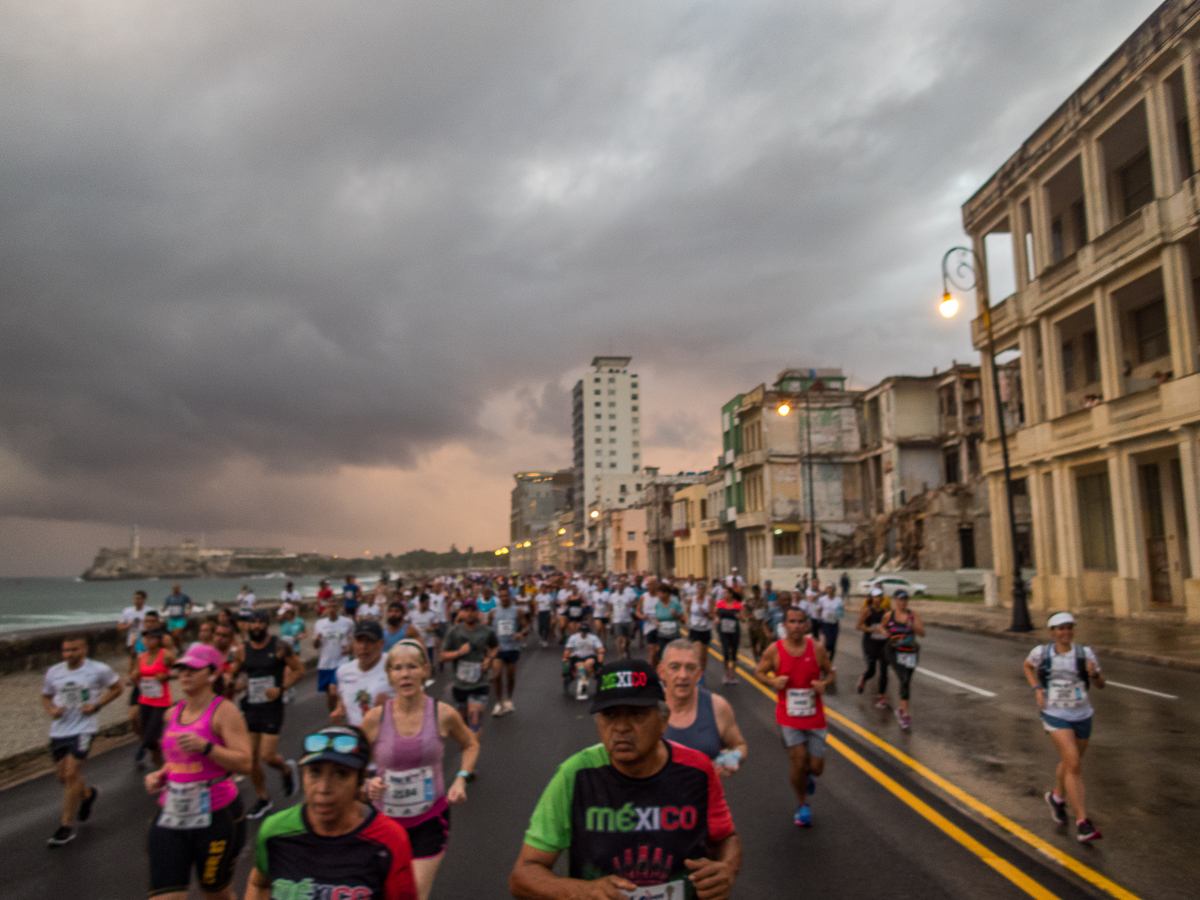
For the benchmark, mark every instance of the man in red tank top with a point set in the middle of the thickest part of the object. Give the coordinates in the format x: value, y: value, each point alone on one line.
x: 799, y: 669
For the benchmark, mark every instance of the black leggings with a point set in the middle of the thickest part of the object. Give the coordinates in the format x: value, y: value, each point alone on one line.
x: 210, y: 852
x: 729, y: 645
x: 543, y: 624
x: 873, y: 653
x: 903, y: 673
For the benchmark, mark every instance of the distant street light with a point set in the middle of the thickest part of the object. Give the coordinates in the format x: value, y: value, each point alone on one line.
x: 784, y: 409
x: 595, y: 513
x: 969, y: 264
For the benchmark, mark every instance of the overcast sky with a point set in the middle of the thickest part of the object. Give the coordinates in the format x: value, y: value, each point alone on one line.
x: 322, y: 274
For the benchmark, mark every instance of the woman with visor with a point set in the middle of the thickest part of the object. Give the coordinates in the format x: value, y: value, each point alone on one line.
x: 201, y: 825
x: 408, y: 734
x: 333, y: 844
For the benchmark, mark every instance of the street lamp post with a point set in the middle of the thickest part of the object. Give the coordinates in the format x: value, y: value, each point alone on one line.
x: 969, y: 264
x: 819, y: 386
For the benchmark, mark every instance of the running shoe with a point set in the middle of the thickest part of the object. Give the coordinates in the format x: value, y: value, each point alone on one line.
x: 811, y: 786
x: 85, y: 806
x: 1058, y: 808
x: 882, y: 703
x: 508, y: 707
x: 291, y: 778
x: 1087, y: 831
x: 803, y: 816
x: 64, y: 835
x: 905, y: 721
x: 141, y: 754
x: 260, y: 809
x: 498, y: 710
x: 862, y: 683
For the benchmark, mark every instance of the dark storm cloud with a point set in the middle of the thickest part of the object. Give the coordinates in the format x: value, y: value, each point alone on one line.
x: 308, y: 234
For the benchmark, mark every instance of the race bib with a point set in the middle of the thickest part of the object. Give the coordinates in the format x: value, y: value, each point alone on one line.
x: 760, y: 614
x: 467, y: 671
x: 908, y: 660
x: 408, y: 793
x: 1065, y: 693
x: 729, y: 626
x: 801, y: 702
x: 150, y: 687
x: 256, y: 689
x: 71, y: 696
x: 504, y: 628
x: 186, y: 806
x: 574, y: 611
x: 668, y: 629
x: 672, y: 890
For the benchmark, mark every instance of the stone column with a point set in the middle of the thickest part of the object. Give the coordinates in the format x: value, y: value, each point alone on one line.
x: 1095, y: 194
x: 1163, y: 163
x: 1052, y: 364
x: 1130, y: 594
x: 1112, y: 375
x: 1042, y: 523
x: 1068, y: 584
x: 1014, y: 230
x: 991, y: 429
x: 1028, y: 341
x: 1002, y: 550
x: 1190, y: 99
x: 1181, y: 308
x: 1189, y: 467
x: 1040, y: 226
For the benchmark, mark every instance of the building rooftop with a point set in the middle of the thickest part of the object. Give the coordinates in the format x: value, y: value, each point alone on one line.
x: 611, y: 362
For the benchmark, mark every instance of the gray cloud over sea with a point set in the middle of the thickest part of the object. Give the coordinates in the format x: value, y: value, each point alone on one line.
x: 325, y: 271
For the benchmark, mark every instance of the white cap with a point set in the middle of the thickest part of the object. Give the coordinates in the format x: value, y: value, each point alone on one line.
x: 1062, y: 618
x: 876, y: 591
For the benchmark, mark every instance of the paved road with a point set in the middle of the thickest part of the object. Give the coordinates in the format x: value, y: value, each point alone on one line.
x: 867, y: 842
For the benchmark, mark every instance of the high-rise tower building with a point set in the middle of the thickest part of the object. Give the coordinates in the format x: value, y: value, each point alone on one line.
x: 606, y: 424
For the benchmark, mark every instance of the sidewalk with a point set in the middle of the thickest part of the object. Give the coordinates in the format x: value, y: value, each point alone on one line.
x: 1173, y: 645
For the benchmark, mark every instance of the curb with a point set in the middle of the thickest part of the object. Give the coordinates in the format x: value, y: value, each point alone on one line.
x: 1150, y: 659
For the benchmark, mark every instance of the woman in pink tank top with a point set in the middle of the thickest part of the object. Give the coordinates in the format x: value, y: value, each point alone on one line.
x: 205, y: 741
x: 408, y: 735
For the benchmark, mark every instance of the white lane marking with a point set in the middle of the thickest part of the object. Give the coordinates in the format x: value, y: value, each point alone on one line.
x: 954, y: 681
x: 1140, y: 690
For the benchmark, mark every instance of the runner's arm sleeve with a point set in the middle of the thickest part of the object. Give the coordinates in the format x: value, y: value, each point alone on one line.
x: 720, y: 821
x: 550, y: 825
x: 1035, y: 655
x: 400, y: 883
x: 1090, y: 656
x: 108, y: 676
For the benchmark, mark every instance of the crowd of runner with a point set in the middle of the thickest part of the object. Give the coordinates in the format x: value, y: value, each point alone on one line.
x: 375, y: 814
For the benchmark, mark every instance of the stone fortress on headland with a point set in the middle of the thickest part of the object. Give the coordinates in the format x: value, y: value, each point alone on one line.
x: 187, y: 560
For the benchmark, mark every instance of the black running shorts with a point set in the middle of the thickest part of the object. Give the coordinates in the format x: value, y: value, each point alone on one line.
x: 212, y: 852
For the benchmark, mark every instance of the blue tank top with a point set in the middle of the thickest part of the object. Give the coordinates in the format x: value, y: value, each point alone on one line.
x: 702, y: 734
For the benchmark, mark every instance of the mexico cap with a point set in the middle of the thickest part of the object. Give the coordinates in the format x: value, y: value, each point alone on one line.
x: 627, y: 682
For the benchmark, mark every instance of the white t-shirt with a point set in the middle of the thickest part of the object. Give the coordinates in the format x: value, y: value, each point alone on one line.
x: 1066, y: 697
x: 425, y: 622
x: 649, y: 620
x: 622, y: 602
x: 292, y: 596
x: 544, y: 602
x: 70, y: 689
x: 828, y: 609
x: 247, y: 601
x: 583, y: 645
x: 359, y: 690
x: 132, y: 616
x: 601, y: 601
x: 368, y: 611
x: 698, y: 618
x: 437, y: 603
x: 335, y: 637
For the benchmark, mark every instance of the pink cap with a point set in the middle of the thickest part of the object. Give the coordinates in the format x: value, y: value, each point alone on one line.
x: 200, y: 656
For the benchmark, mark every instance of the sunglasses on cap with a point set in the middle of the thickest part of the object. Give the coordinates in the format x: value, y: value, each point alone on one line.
x: 339, y: 743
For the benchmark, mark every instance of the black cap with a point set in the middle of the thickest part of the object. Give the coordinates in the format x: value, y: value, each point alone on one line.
x: 627, y: 682
x: 259, y: 615
x: 358, y: 758
x: 368, y: 628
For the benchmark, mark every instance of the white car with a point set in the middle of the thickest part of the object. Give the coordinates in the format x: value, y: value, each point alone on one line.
x: 891, y: 584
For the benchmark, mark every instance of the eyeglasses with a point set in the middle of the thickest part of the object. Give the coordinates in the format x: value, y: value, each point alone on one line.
x: 341, y: 743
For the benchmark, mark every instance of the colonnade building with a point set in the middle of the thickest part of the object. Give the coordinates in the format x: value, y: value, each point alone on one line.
x: 1088, y: 241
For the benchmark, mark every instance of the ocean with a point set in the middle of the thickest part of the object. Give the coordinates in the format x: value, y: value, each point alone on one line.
x: 29, y: 603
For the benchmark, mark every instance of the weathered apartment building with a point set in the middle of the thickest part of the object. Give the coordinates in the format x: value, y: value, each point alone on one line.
x: 1099, y: 212
x: 537, y: 501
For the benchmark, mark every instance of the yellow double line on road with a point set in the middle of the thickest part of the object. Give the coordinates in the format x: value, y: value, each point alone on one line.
x: 1001, y: 865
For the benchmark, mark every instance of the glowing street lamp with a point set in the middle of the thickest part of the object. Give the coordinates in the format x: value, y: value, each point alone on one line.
x: 595, y: 513
x: 784, y: 409
x: 949, y: 305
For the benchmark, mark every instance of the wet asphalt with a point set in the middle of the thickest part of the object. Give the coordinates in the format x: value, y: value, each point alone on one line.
x: 865, y: 841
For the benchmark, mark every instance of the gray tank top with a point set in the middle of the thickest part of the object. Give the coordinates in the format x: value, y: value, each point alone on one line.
x: 702, y: 734
x: 505, y: 624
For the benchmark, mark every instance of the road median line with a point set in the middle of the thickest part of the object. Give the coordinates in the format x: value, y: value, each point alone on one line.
x: 1088, y: 874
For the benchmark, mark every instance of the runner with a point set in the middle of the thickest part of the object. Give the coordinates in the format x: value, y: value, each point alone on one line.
x: 601, y: 610
x: 351, y: 591
x: 271, y: 669
x: 471, y: 646
x: 576, y: 610
x: 799, y: 670
x: 647, y: 602
x: 426, y: 621
x: 362, y: 681
x: 699, y: 719
x: 393, y: 628
x: 289, y: 594
x: 544, y: 603
x: 177, y: 607
x: 1061, y: 674
x: 903, y: 627
x: 511, y: 627
x: 408, y: 734
x: 246, y: 600
x: 333, y: 634
x: 151, y: 670
x: 700, y: 615
x: 205, y: 632
x: 668, y: 618
x: 874, y: 644
x: 73, y: 693
x: 130, y: 623
x: 582, y: 647
x: 292, y: 629
x: 622, y: 604
x: 830, y: 610
x: 760, y: 608
x: 324, y: 595
x: 730, y: 614
x: 332, y: 846
x: 369, y: 608
x: 201, y: 826
x: 588, y: 809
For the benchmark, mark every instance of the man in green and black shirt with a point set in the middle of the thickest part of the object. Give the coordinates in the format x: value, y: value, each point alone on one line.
x: 640, y: 817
